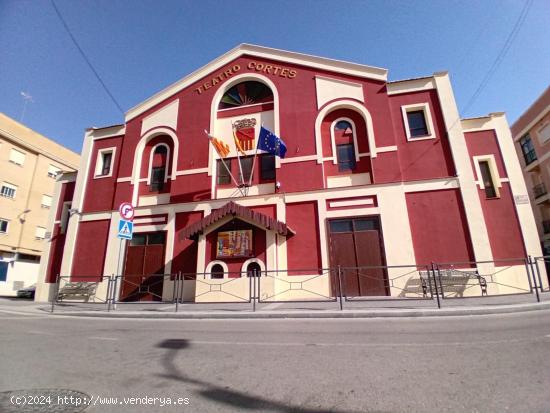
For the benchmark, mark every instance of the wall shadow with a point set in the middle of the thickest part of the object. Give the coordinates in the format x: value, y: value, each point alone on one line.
x: 224, y: 395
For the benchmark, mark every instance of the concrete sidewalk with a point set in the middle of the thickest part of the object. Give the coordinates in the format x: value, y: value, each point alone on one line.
x: 351, y: 309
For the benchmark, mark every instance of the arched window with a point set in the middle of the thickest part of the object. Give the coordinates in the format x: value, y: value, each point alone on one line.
x: 216, y: 272
x: 345, y: 147
x: 158, y: 168
x: 253, y: 270
x: 246, y: 94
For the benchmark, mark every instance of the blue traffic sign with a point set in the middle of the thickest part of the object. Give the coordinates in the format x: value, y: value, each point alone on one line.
x: 125, y: 229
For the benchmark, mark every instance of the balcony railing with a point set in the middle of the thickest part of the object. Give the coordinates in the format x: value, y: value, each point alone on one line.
x: 546, y: 226
x: 530, y: 157
x: 539, y: 190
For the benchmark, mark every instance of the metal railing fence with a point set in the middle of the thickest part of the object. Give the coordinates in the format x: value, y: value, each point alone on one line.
x: 436, y: 282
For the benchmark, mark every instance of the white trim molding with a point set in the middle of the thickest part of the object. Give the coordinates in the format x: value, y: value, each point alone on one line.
x: 337, y: 66
x: 493, y: 170
x: 250, y: 261
x: 138, y: 155
x: 333, y: 139
x: 410, y: 85
x: 425, y: 108
x: 224, y: 87
x: 151, y: 155
x: 99, y: 162
x: 344, y: 104
x: 208, y: 269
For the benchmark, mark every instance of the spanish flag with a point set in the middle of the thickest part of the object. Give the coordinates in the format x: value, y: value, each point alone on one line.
x: 221, y: 147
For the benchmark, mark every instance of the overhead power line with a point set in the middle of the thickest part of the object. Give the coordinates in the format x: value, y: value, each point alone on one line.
x: 500, y: 57
x: 86, y: 58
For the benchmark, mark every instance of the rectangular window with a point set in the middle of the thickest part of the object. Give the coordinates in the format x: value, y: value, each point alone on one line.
x: 3, y: 226
x: 529, y: 154
x: 267, y: 163
x: 544, y: 133
x: 106, y: 158
x: 246, y: 164
x: 224, y: 177
x: 104, y: 162
x: 46, y: 201
x: 53, y: 171
x: 417, y: 123
x: 346, y: 157
x: 157, y: 178
x: 488, y: 183
x: 8, y: 190
x: 40, y: 233
x: 17, y: 157
x: 3, y: 270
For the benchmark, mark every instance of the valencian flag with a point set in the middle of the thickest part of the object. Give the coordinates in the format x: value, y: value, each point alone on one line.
x: 221, y: 147
x: 271, y: 143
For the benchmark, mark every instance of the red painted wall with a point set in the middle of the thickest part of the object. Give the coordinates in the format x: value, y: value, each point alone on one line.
x: 423, y: 159
x: 57, y: 241
x: 89, y: 254
x: 185, y: 251
x: 439, y: 227
x: 499, y: 213
x: 303, y: 249
x: 363, y: 165
x: 100, y: 192
x: 298, y: 112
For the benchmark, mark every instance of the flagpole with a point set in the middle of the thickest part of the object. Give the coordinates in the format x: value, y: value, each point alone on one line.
x: 254, y: 161
x: 238, y: 157
x: 227, y: 169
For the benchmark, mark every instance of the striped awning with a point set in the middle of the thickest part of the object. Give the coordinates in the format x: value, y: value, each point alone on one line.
x: 238, y: 211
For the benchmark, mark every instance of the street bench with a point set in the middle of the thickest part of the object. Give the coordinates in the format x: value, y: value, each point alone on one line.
x: 77, y: 290
x: 451, y: 281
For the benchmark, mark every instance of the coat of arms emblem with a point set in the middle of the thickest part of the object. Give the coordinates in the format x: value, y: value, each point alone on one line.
x: 245, y: 133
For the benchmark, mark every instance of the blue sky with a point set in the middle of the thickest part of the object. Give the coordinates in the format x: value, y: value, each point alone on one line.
x: 140, y: 47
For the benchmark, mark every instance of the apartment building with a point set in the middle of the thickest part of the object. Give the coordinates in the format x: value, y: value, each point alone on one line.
x: 29, y: 166
x: 531, y: 133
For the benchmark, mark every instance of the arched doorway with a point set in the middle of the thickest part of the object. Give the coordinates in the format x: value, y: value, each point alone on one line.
x: 253, y: 270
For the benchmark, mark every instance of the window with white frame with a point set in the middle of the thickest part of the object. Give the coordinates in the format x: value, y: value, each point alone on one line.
x: 40, y: 233
x: 46, y: 201
x: 418, y: 121
x: 17, y: 157
x: 3, y: 226
x: 8, y: 190
x: 488, y: 177
x: 544, y: 133
x: 104, y: 163
x: 53, y: 171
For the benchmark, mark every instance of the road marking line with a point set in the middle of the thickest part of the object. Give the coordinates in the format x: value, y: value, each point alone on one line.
x: 104, y: 338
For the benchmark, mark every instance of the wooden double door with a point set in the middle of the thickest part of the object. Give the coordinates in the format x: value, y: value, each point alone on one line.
x: 144, y: 267
x: 356, y: 245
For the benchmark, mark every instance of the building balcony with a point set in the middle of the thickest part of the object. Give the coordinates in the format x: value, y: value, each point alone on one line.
x: 546, y: 226
x: 539, y: 190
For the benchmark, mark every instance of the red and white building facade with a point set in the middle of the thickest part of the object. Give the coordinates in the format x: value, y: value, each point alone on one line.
x: 377, y: 173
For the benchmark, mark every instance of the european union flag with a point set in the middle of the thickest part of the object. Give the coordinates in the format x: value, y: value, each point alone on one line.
x: 269, y: 142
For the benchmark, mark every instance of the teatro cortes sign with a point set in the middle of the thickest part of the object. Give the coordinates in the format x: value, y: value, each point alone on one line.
x: 258, y: 67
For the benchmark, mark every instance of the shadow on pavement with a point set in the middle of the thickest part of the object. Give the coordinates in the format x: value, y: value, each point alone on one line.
x: 222, y: 394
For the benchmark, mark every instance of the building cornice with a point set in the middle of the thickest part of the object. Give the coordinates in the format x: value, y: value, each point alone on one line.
x: 337, y: 66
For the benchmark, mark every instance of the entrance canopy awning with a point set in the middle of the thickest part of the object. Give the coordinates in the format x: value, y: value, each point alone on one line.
x: 238, y: 211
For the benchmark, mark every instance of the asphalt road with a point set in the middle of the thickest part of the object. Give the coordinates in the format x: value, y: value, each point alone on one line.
x: 472, y: 364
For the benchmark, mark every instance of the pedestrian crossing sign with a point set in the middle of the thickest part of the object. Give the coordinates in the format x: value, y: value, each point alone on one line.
x: 125, y: 229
